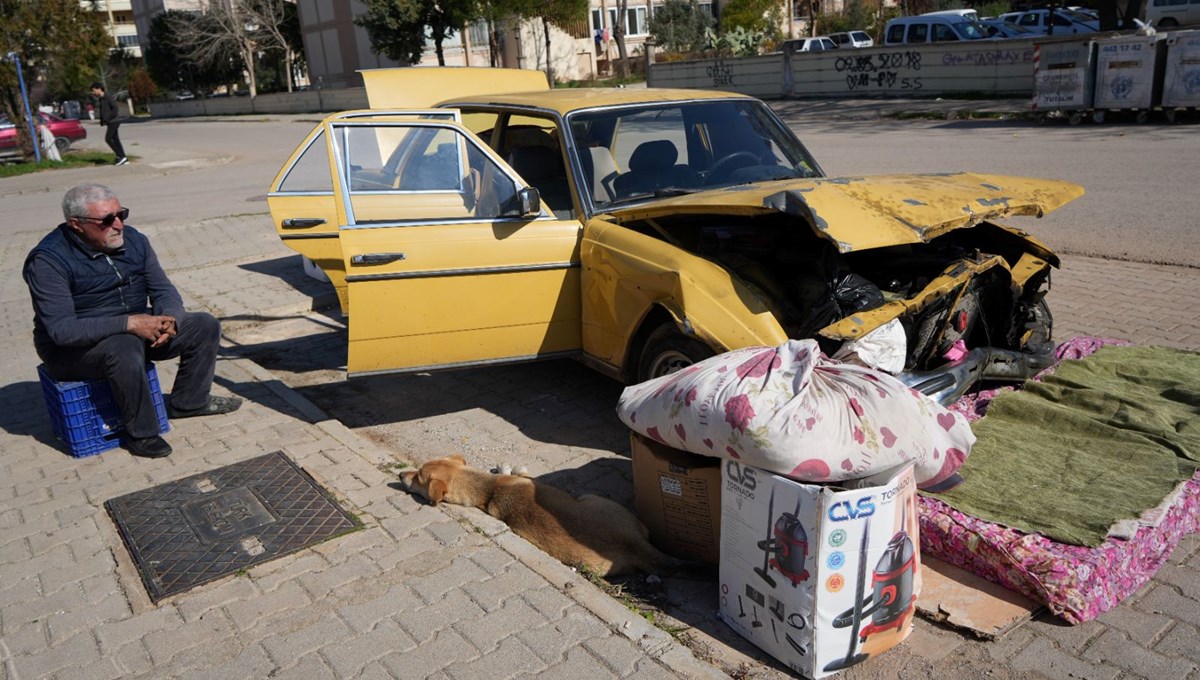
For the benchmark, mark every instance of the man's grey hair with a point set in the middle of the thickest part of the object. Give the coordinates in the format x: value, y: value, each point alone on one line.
x: 77, y: 199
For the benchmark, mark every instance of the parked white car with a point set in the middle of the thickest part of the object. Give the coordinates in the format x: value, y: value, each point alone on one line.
x: 816, y: 44
x: 1065, y: 21
x: 852, y: 39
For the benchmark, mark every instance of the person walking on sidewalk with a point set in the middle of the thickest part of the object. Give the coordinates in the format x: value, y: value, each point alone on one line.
x: 103, y: 306
x: 110, y: 117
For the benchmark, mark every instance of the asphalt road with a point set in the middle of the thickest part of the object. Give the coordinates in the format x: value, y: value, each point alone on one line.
x: 1140, y: 179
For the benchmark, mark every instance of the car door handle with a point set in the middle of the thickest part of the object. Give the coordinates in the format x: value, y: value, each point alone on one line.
x: 375, y: 258
x: 302, y: 222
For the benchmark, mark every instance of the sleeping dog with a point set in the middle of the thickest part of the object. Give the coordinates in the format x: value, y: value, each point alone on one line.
x: 591, y: 531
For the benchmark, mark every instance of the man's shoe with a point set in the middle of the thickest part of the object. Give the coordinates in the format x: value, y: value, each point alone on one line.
x: 215, y: 406
x: 121, y: 161
x: 148, y: 447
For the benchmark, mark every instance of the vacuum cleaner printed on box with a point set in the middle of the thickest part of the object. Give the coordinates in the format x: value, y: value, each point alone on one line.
x: 821, y: 577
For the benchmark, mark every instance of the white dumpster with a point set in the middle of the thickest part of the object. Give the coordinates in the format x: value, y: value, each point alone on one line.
x: 1181, y: 78
x: 1064, y: 77
x: 1126, y: 75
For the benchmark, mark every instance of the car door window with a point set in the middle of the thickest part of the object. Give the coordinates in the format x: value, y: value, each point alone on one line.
x: 942, y: 33
x: 918, y: 33
x: 310, y: 172
x: 409, y: 172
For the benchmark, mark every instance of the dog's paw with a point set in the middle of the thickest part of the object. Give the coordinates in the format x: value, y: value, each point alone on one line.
x: 506, y: 469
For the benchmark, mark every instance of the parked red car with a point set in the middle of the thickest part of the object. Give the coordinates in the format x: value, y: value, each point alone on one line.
x: 66, y: 131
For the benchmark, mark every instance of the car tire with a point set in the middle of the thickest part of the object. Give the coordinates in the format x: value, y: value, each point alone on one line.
x: 62, y: 143
x: 667, y: 350
x: 1167, y: 23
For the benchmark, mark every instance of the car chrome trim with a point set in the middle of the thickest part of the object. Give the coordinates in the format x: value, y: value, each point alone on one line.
x: 274, y: 194
x: 436, y: 222
x: 467, y: 364
x: 291, y: 237
x: 475, y: 271
x: 947, y: 383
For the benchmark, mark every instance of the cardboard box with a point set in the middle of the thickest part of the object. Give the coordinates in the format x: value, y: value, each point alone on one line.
x: 677, y: 495
x: 821, y: 577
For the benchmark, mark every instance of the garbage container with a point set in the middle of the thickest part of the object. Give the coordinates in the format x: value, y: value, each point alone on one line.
x: 1064, y: 77
x: 1128, y: 75
x: 1181, y: 77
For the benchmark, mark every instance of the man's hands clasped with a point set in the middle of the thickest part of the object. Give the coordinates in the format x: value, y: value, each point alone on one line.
x: 157, y: 330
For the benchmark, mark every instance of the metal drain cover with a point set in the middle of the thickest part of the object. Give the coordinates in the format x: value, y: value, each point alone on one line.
x: 193, y: 530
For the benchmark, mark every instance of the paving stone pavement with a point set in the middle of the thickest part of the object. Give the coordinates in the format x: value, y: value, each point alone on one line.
x: 445, y: 592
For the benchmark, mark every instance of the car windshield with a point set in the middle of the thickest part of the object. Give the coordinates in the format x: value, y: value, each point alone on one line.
x: 666, y: 149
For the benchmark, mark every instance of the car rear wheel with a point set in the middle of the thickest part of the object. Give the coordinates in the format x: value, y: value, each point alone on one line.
x: 62, y: 143
x: 667, y: 350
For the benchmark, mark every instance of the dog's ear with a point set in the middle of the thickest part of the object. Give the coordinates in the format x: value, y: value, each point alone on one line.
x: 437, y: 490
x: 458, y: 459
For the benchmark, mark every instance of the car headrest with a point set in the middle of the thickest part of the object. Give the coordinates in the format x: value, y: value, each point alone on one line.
x: 653, y: 156
x: 535, y: 162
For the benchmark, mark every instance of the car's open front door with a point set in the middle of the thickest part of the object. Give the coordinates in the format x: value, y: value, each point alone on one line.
x: 303, y: 204
x: 444, y: 265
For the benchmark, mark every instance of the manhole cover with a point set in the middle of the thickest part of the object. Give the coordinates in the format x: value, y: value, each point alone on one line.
x: 193, y: 530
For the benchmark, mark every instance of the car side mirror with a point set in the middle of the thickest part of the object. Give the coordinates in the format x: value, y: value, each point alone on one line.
x: 529, y: 202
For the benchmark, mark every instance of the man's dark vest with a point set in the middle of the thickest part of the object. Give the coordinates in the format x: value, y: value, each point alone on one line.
x: 101, y: 285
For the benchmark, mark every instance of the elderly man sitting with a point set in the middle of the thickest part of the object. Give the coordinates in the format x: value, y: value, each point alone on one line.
x: 103, y: 306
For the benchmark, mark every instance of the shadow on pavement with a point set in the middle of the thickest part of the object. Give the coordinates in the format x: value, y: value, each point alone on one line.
x: 30, y: 419
x: 290, y: 270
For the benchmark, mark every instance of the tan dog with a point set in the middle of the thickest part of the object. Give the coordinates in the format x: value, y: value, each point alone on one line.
x: 591, y: 531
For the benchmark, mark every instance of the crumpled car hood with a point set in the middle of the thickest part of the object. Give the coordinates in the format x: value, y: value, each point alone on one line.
x: 860, y: 213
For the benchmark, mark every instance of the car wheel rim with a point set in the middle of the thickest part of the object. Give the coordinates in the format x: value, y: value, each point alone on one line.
x: 669, y: 362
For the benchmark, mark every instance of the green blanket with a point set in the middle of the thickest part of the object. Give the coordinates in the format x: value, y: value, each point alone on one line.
x: 1102, y: 439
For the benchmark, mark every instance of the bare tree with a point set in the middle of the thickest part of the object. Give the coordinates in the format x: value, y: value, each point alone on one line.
x: 270, y: 20
x: 225, y: 28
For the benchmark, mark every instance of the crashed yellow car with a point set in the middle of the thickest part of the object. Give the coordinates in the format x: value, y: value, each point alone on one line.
x: 641, y: 230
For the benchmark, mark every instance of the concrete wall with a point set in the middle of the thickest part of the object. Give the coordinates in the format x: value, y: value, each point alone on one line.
x: 994, y: 67
x: 308, y: 101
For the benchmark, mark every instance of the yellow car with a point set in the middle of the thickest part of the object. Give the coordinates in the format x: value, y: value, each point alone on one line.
x: 641, y: 230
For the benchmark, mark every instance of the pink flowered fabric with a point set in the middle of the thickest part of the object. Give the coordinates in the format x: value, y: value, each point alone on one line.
x: 792, y: 411
x: 1074, y: 582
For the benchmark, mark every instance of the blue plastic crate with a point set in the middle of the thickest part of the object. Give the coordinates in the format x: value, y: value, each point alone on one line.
x: 85, y: 416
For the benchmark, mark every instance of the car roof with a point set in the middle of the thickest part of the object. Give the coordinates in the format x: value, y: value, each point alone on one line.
x: 566, y: 100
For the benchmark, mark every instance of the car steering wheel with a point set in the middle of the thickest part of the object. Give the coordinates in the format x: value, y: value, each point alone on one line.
x: 726, y: 164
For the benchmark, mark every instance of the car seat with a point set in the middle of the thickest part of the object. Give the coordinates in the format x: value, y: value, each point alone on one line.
x: 651, y: 167
x: 542, y: 167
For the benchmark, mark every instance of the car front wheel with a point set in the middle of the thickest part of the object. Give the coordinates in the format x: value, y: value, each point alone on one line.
x: 667, y: 350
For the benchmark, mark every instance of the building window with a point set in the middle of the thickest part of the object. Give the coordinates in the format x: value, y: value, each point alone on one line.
x: 127, y: 40
x: 479, y: 33
x: 597, y: 20
x: 635, y: 21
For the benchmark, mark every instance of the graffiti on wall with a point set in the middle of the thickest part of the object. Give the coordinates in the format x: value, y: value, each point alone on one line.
x: 881, y: 71
x: 721, y: 73
x: 988, y: 58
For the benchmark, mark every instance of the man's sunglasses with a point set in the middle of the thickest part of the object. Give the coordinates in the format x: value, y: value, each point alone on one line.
x: 107, y: 220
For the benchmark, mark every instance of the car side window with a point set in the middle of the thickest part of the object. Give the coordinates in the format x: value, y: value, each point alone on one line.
x: 896, y: 34
x: 942, y: 33
x: 405, y: 172
x: 918, y: 33
x: 310, y: 172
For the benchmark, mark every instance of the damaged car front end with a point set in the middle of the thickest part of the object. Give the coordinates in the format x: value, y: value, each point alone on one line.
x: 916, y: 262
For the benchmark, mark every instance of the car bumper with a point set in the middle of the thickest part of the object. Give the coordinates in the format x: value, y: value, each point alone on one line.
x: 949, y: 382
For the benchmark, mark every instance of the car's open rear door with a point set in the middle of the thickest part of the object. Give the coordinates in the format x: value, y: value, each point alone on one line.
x: 303, y: 205
x: 442, y: 268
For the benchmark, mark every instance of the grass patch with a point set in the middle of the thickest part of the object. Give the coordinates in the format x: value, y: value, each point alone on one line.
x: 72, y: 159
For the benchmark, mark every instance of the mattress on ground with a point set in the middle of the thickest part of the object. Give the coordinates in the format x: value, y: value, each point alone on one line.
x: 1076, y: 583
